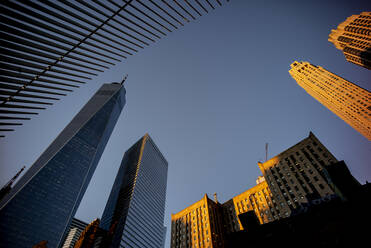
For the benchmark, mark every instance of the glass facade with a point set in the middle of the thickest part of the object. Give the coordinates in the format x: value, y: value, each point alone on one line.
x: 42, y: 204
x: 135, y: 208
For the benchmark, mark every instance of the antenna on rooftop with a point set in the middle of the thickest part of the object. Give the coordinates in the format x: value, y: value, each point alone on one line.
x: 126, y: 76
x: 266, y: 152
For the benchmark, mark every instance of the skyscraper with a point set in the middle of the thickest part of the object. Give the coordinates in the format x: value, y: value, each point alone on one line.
x: 135, y: 209
x: 353, y: 37
x: 43, y: 202
x: 345, y: 99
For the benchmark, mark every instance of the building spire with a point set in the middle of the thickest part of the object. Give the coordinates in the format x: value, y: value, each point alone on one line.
x: 7, y: 187
x: 124, y: 79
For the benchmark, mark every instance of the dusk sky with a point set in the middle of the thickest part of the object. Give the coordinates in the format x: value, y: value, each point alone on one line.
x: 211, y: 94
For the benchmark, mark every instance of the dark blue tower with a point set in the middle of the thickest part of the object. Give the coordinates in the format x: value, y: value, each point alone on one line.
x: 134, y: 213
x: 43, y: 202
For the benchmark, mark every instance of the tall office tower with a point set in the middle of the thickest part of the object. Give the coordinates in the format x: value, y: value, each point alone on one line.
x: 199, y: 225
x: 345, y: 99
x: 353, y: 37
x: 298, y: 175
x: 135, y: 209
x: 75, y: 229
x: 43, y: 202
x: 257, y: 199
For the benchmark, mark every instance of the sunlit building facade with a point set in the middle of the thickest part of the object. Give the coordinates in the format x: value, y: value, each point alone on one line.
x: 134, y: 213
x: 298, y: 178
x: 298, y: 175
x: 199, y: 225
x: 348, y: 101
x: 353, y: 37
x: 41, y: 205
x: 257, y: 199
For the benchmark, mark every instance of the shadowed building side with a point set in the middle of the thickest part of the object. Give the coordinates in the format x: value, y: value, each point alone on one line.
x: 297, y: 175
x: 329, y: 224
x: 43, y: 202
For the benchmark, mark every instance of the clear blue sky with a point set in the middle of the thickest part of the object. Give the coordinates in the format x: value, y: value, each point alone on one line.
x: 211, y: 94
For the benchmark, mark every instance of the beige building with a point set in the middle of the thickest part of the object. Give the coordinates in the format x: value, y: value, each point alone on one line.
x: 257, y: 199
x: 199, y: 225
x: 296, y: 175
x: 348, y: 101
x: 353, y: 37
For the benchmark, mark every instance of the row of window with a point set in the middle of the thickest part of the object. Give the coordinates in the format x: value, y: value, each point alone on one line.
x: 358, y: 61
x: 360, y: 20
x: 357, y: 30
x: 341, y: 99
x: 357, y: 36
x: 300, y: 172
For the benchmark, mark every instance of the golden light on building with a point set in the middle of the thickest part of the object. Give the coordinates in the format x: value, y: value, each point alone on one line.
x: 348, y: 101
x: 302, y: 176
x: 198, y: 225
x: 257, y: 199
x: 353, y: 37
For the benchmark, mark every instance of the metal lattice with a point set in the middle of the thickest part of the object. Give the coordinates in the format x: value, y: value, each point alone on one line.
x: 48, y: 48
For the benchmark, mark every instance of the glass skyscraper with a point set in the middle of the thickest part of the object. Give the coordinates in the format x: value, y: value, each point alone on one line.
x: 43, y: 202
x: 134, y: 213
